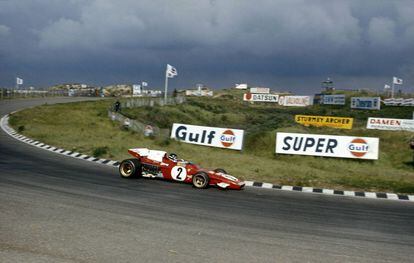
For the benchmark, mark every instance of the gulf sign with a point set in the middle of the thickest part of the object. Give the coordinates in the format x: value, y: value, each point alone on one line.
x: 390, y: 124
x: 366, y: 103
x: 208, y: 136
x: 260, y: 97
x: 334, y: 99
x: 295, y: 101
x: 327, y: 145
x: 326, y: 121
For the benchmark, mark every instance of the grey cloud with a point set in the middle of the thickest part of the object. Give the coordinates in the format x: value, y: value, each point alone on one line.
x: 381, y: 31
x: 4, y: 30
x: 265, y: 42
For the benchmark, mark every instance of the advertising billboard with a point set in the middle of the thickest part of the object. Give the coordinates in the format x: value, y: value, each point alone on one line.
x: 327, y: 145
x: 326, y: 121
x: 295, y: 101
x: 399, y: 102
x: 333, y: 99
x: 199, y: 93
x: 390, y: 124
x: 208, y: 136
x: 260, y: 97
x: 259, y: 90
x: 366, y: 103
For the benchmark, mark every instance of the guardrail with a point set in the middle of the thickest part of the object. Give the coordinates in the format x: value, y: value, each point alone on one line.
x: 137, y: 126
x: 18, y: 94
x: 151, y: 102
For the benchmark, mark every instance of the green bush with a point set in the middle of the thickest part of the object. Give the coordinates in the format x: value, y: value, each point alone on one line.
x: 100, y: 151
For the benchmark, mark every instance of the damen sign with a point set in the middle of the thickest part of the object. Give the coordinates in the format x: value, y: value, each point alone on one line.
x: 327, y: 145
x: 326, y: 121
x: 208, y: 136
x: 390, y: 124
x: 260, y: 97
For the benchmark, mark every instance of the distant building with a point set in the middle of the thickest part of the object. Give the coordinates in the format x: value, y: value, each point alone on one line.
x: 200, y: 91
x: 328, y: 85
x: 117, y: 90
x: 75, y: 89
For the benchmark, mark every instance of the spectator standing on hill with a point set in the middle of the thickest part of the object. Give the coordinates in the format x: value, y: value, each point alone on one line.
x: 117, y: 106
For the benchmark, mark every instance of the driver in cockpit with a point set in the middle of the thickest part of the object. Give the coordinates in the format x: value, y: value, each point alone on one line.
x: 172, y: 157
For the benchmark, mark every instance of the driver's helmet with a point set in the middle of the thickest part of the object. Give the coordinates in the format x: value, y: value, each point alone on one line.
x: 172, y: 157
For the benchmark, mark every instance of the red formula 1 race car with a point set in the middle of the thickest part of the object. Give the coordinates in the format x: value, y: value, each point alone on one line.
x: 157, y: 164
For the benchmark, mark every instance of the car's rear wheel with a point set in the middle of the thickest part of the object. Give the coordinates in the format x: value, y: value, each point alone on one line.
x: 200, y: 180
x: 130, y: 168
x: 220, y: 170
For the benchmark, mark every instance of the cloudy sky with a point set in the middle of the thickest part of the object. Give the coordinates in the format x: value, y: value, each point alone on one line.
x: 282, y: 44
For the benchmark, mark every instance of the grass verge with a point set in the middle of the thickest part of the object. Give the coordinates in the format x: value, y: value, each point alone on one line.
x: 85, y: 127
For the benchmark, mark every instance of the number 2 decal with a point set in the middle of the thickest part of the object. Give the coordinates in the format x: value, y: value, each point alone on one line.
x: 180, y: 170
x: 178, y: 173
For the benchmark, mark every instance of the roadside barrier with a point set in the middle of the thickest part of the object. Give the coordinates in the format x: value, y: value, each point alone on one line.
x: 151, y: 102
x: 137, y: 126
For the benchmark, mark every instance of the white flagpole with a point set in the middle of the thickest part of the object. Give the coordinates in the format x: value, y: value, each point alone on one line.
x: 392, y: 90
x: 166, y: 87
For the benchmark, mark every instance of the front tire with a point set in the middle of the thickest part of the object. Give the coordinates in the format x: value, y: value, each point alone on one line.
x: 200, y: 180
x: 130, y: 168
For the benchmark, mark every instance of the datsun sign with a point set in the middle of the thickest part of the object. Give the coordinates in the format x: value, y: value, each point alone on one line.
x: 208, y: 136
x: 327, y: 145
x: 260, y: 97
x: 390, y: 124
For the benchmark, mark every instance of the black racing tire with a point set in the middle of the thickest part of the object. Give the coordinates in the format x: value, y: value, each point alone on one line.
x: 130, y: 168
x: 220, y: 170
x: 201, y: 180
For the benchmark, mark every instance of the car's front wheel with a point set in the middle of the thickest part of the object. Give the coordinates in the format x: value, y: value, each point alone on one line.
x: 200, y: 180
x: 130, y: 168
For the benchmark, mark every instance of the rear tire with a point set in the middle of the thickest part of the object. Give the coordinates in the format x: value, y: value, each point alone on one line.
x: 130, y: 168
x: 220, y: 170
x: 201, y: 180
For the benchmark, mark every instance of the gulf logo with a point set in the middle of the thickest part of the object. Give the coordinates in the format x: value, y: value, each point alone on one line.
x: 248, y: 96
x: 227, y: 138
x: 358, y: 147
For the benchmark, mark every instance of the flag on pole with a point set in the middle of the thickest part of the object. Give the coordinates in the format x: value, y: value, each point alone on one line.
x: 171, y: 71
x: 396, y: 80
x: 19, y: 81
x: 144, y: 84
x: 386, y: 86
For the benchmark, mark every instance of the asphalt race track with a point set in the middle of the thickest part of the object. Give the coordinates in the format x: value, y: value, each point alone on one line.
x: 55, y: 208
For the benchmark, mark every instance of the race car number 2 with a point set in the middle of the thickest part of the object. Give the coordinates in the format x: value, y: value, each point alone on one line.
x: 178, y: 173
